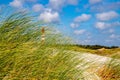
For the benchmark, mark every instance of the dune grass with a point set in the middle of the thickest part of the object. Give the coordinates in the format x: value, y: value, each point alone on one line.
x: 113, y: 53
x: 23, y: 57
x: 110, y: 71
x: 41, y: 62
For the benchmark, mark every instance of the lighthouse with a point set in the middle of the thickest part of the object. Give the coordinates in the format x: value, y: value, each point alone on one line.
x: 43, y: 35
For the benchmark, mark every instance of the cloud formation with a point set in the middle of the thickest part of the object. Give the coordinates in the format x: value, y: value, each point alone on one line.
x: 79, y: 32
x: 107, y: 6
x: 111, y: 30
x: 113, y: 36
x: 56, y: 4
x: 105, y: 16
x: 104, y: 25
x: 74, y: 25
x: 16, y: 3
x: 20, y: 3
x: 38, y: 7
x: 59, y: 4
x: 82, y: 18
x: 94, y: 1
x: 72, y: 2
x: 48, y: 16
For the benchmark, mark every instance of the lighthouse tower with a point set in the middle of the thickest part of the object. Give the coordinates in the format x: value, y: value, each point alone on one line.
x: 43, y: 35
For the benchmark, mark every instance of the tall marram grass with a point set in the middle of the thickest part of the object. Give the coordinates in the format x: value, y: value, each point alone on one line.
x: 23, y: 57
x: 110, y: 71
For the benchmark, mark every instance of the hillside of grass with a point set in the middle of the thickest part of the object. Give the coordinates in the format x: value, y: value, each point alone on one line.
x: 23, y: 56
x: 109, y: 52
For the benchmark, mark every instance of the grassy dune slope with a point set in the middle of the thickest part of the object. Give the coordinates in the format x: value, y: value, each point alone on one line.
x: 23, y: 57
x: 115, y: 52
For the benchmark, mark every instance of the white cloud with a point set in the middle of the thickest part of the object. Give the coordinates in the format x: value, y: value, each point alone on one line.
x: 108, y: 41
x: 74, y: 25
x: 87, y: 41
x: 94, y: 1
x: 72, y: 2
x: 101, y: 25
x: 105, y: 7
x: 106, y: 15
x: 104, y: 25
x: 79, y: 32
x: 115, y: 23
x: 59, y: 4
x: 56, y: 4
x: 111, y: 30
x: 48, y: 16
x: 38, y: 7
x: 16, y: 3
x: 82, y: 18
x: 20, y: 3
x: 113, y: 36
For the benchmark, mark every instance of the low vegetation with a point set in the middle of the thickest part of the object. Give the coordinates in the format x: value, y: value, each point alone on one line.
x: 24, y: 57
x: 110, y: 71
x: 112, y: 51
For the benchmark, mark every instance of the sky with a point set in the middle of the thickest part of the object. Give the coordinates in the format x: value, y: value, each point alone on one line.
x: 85, y: 21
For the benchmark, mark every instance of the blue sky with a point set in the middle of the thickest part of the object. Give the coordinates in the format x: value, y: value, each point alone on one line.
x: 85, y: 21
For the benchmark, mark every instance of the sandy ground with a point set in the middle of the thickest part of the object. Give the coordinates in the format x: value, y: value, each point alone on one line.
x: 94, y: 63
